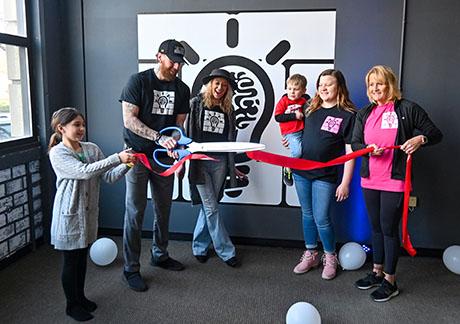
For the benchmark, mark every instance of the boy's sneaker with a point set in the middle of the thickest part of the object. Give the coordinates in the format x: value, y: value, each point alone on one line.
x: 329, y: 266
x: 371, y: 280
x: 310, y: 259
x: 287, y: 177
x: 385, y: 292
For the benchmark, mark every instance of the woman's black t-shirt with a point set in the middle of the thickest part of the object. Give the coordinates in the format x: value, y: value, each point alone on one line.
x: 325, y: 134
x: 215, y: 126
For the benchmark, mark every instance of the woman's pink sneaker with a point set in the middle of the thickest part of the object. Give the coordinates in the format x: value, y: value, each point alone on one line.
x: 329, y: 265
x: 310, y: 259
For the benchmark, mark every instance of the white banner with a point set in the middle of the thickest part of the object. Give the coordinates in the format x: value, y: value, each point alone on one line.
x: 261, y: 49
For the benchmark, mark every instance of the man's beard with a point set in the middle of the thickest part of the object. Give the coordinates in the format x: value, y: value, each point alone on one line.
x: 167, y: 73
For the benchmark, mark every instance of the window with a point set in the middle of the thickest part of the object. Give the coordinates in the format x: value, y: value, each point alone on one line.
x: 15, y: 107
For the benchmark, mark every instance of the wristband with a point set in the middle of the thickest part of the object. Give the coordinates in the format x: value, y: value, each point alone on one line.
x: 157, y: 141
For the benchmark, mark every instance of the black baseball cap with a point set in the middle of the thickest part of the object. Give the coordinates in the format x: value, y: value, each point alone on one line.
x: 173, y: 50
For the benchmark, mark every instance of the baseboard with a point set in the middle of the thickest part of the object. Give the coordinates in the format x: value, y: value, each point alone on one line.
x: 263, y: 242
x: 423, y: 252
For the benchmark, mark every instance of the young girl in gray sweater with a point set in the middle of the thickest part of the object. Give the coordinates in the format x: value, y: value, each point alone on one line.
x: 79, y: 168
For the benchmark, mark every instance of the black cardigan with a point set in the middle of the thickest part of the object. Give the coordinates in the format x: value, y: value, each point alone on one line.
x: 194, y: 129
x: 412, y: 120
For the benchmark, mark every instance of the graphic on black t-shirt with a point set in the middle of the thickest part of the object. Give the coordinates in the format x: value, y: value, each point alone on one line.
x: 332, y: 124
x: 214, y: 122
x: 163, y: 102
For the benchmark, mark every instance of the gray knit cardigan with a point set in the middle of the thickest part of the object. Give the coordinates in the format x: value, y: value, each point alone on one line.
x: 76, y: 204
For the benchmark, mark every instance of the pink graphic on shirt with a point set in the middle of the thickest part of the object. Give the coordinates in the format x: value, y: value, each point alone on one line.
x: 332, y: 124
x: 389, y: 120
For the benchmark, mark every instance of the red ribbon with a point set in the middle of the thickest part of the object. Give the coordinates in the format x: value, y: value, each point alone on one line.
x: 301, y: 164
x: 145, y: 161
x: 143, y: 158
x: 179, y: 163
x: 407, y: 188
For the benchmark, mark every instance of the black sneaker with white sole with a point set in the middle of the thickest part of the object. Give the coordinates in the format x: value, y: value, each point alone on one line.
x: 370, y: 281
x: 385, y: 292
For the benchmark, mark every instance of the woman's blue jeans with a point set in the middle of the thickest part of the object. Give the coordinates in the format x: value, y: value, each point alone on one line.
x: 315, y: 197
x: 210, y: 227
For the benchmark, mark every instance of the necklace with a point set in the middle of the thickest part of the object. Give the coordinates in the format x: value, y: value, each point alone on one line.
x: 81, y: 156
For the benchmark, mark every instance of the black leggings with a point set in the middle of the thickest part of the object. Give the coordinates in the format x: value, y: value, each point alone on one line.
x: 385, y: 210
x: 73, y: 275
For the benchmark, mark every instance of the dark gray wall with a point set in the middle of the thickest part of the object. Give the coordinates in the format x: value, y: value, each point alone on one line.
x: 57, y: 74
x: 431, y: 70
x: 368, y: 33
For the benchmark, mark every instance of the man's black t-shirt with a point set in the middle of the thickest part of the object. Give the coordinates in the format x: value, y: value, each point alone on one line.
x: 325, y: 134
x: 159, y: 104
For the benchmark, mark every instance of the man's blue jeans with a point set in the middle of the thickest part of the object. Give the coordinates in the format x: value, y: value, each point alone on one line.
x: 315, y: 197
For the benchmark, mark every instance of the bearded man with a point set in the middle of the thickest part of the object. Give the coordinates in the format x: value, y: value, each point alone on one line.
x: 151, y: 100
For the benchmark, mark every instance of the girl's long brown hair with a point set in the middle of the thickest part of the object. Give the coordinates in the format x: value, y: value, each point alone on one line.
x: 61, y: 117
x: 343, y: 96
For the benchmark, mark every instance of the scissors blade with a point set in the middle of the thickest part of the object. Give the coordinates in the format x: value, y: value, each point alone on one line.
x: 237, y: 147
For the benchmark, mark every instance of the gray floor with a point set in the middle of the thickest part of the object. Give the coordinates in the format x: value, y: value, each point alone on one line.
x: 261, y: 291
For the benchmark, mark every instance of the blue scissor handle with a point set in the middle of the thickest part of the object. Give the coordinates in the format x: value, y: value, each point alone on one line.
x: 183, y: 140
x: 180, y: 152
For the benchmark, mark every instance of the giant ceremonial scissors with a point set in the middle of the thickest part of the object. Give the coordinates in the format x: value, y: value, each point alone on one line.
x: 191, y: 147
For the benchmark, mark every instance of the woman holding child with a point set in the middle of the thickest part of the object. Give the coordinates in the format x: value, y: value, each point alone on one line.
x: 327, y: 135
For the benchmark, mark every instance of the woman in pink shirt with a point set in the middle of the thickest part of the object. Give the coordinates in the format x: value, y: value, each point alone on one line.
x: 388, y: 120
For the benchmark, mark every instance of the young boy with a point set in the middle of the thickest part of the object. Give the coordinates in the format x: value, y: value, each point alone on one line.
x: 289, y: 113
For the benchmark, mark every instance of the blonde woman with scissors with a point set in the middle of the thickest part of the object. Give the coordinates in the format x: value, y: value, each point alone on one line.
x: 212, y: 119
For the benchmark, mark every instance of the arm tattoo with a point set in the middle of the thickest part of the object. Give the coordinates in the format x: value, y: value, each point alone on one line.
x: 134, y: 124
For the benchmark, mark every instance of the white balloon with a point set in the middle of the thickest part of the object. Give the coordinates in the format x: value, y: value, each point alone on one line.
x: 352, y: 256
x: 303, y: 313
x: 451, y: 258
x: 103, y: 251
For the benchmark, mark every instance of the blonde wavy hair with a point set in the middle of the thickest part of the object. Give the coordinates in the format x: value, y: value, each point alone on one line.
x: 225, y: 103
x: 385, y: 75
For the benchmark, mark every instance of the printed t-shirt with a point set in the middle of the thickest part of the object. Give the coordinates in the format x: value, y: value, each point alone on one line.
x: 325, y: 134
x: 159, y: 104
x: 381, y: 129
